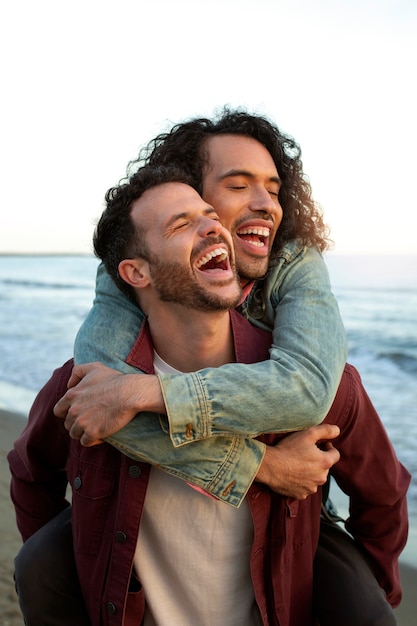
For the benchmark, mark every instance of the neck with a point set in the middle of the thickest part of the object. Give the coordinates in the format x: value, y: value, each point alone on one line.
x: 190, y: 340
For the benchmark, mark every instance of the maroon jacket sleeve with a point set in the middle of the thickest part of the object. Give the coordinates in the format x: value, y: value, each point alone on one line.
x: 37, y: 461
x: 374, y: 479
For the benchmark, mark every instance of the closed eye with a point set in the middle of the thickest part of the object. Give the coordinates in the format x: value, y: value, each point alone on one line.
x: 180, y: 225
x: 213, y: 216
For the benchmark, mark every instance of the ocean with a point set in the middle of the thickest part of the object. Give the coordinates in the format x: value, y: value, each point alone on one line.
x: 44, y: 299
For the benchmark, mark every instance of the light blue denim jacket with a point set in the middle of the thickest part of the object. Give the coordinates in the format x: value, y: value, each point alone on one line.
x: 291, y: 391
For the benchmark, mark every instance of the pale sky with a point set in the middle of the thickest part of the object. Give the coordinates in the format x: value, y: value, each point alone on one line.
x: 85, y: 83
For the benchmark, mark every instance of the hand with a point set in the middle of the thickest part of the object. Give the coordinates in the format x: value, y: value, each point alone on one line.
x: 100, y: 401
x: 300, y: 462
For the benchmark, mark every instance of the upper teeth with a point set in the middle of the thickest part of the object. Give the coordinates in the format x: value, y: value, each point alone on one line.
x: 220, y: 252
x: 262, y: 232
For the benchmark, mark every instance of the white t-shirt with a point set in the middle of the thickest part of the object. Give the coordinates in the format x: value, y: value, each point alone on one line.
x: 193, y: 555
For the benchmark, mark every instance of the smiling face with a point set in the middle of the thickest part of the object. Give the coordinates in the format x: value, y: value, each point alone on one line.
x: 241, y: 181
x: 191, y: 259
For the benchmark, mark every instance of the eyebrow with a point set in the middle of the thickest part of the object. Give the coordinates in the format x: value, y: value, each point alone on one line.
x: 248, y: 174
x: 186, y: 214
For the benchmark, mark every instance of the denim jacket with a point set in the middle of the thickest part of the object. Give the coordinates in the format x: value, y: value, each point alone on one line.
x: 291, y: 391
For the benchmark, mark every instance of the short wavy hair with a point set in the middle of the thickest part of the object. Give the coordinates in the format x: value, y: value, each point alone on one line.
x: 184, y: 145
x: 116, y: 236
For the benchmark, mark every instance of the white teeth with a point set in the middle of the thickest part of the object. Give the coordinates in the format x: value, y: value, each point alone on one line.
x: 218, y: 252
x: 262, y: 232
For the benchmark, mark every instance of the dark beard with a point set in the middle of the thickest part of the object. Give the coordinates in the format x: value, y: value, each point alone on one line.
x: 175, y: 283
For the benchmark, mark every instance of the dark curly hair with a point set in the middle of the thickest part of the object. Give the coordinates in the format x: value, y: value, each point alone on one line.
x: 184, y: 145
x: 116, y: 237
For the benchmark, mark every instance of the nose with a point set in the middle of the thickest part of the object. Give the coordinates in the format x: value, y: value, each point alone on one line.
x: 261, y: 200
x: 208, y: 226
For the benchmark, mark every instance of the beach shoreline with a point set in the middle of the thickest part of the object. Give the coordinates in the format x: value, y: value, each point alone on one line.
x: 11, y: 425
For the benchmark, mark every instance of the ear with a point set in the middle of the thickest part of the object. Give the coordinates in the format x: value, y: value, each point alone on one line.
x: 135, y: 272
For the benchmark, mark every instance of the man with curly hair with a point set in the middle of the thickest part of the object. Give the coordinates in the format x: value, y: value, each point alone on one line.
x: 248, y: 170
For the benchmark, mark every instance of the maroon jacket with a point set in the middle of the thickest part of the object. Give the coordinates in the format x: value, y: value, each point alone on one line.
x: 109, y: 491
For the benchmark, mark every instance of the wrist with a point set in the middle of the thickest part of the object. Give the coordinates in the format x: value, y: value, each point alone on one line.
x: 265, y: 471
x: 147, y: 393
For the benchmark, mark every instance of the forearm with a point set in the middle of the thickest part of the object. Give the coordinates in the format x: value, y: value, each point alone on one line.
x: 298, y: 382
x: 251, y: 412
x: 214, y: 407
x: 224, y: 467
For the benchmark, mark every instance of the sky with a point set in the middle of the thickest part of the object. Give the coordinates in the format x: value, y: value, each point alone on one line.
x: 86, y: 83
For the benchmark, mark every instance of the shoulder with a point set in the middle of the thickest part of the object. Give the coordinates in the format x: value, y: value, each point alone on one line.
x: 294, y: 252
x: 297, y: 264
x: 56, y: 386
x: 288, y: 253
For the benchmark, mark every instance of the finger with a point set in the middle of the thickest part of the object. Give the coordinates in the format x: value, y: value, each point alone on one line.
x: 88, y: 443
x: 327, y: 431
x: 332, y: 456
x: 326, y: 446
x: 61, y: 408
x: 76, y: 431
x: 69, y: 421
x: 74, y: 379
x: 77, y: 374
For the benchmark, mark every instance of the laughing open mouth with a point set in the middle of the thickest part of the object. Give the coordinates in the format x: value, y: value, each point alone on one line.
x: 256, y: 236
x: 217, y: 259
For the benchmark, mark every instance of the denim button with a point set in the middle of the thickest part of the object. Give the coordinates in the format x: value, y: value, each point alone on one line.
x: 77, y: 482
x: 121, y: 537
x: 134, y: 471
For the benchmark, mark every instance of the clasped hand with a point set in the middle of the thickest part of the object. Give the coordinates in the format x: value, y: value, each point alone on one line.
x: 101, y: 400
x: 300, y: 462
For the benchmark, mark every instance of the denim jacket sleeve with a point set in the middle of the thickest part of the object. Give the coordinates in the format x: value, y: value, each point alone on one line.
x: 298, y: 383
x: 291, y: 391
x: 224, y: 466
x: 222, y: 401
x: 111, y: 327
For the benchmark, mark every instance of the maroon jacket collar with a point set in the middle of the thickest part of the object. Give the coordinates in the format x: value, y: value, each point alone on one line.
x: 251, y: 344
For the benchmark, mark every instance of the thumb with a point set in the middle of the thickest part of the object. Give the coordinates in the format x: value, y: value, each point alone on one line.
x: 327, y: 431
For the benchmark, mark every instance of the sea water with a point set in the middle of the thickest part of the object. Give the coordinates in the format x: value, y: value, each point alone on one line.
x: 44, y: 299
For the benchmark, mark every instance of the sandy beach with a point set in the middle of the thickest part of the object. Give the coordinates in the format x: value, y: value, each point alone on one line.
x: 10, y: 427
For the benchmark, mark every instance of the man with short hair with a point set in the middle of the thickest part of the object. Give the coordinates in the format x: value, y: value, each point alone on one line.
x: 186, y: 558
x: 201, y: 561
